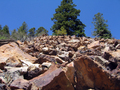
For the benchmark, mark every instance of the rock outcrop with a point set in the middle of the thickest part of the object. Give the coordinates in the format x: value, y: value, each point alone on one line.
x: 60, y: 63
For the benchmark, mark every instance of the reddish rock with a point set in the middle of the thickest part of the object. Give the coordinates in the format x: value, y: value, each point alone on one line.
x: 2, y: 63
x: 53, y: 79
x: 43, y: 58
x: 70, y: 72
x: 20, y: 84
x: 91, y: 74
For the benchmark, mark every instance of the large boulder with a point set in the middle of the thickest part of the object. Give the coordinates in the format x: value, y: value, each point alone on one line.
x: 70, y: 72
x: 20, y: 84
x: 12, y: 49
x: 91, y: 74
x: 53, y: 79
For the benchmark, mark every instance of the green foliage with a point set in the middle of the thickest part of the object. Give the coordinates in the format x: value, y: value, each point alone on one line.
x: 5, y: 30
x: 4, y: 33
x: 62, y: 31
x: 100, y: 25
x: 14, y: 34
x: 66, y: 16
x: 32, y: 32
x: 3, y: 37
x: 0, y: 28
x: 41, y: 31
x: 22, y: 31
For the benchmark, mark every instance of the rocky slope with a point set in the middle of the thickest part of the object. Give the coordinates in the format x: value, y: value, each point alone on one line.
x: 60, y: 63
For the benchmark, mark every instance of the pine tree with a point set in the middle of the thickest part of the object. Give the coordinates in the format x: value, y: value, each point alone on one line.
x: 5, y: 30
x: 32, y: 32
x: 22, y: 31
x: 14, y: 34
x: 23, y: 28
x: 101, y: 28
x: 1, y: 30
x: 0, y: 27
x: 4, y: 33
x: 41, y: 31
x: 66, y: 16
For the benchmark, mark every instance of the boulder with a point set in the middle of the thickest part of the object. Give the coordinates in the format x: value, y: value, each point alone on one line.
x: 12, y: 49
x: 20, y: 84
x: 115, y: 53
x: 70, y: 72
x: 46, y: 64
x: 32, y: 72
x: 94, y: 44
x: 53, y: 79
x: 3, y: 87
x: 2, y: 63
x: 91, y: 74
x: 118, y: 46
x: 13, y: 62
x: 13, y: 74
x: 44, y: 58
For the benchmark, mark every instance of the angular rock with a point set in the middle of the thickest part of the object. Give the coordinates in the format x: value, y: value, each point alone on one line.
x: 33, y: 72
x: 45, y: 50
x: 14, y: 73
x: 13, y: 62
x: 91, y: 74
x: 53, y: 79
x: 43, y: 58
x: 12, y: 49
x: 115, y: 53
x: 2, y: 63
x: 46, y: 64
x: 3, y: 87
x: 102, y: 61
x: 118, y: 46
x: 20, y: 84
x: 70, y: 72
x: 94, y: 44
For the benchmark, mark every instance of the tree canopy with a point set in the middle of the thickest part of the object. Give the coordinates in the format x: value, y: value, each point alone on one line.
x: 40, y: 31
x: 5, y: 30
x: 32, y: 32
x: 100, y: 26
x: 22, y: 31
x: 66, y: 17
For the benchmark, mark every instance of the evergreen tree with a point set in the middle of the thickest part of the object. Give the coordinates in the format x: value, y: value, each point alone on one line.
x: 5, y: 30
x: 14, y: 34
x: 41, y: 31
x: 32, y: 32
x: 66, y: 16
x: 101, y: 28
x: 4, y: 33
x: 22, y: 31
x: 0, y: 28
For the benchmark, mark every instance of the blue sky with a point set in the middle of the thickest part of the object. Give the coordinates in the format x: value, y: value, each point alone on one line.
x: 37, y: 13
